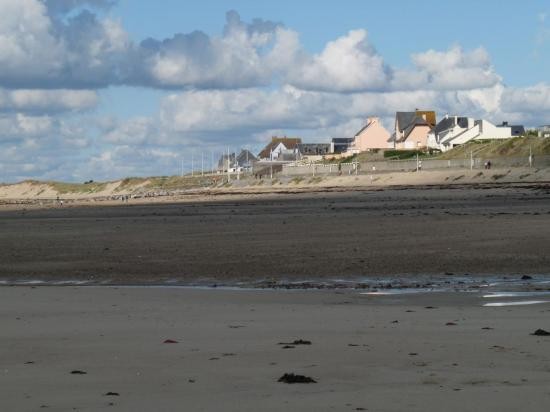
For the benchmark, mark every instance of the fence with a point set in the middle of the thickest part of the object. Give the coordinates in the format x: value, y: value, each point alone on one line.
x: 313, y: 169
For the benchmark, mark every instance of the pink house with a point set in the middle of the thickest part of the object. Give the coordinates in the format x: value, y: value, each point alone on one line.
x: 372, y: 136
x: 412, y: 129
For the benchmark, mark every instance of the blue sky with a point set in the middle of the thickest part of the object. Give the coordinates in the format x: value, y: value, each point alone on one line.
x: 82, y: 97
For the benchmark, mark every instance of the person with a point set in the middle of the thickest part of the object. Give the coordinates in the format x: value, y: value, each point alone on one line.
x: 420, y: 165
x: 488, y: 164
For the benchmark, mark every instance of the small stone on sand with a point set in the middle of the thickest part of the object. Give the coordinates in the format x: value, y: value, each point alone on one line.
x: 292, y: 378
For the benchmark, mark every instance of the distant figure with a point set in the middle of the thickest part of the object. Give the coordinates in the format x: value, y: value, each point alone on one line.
x: 488, y: 164
x: 485, y: 165
x: 420, y: 165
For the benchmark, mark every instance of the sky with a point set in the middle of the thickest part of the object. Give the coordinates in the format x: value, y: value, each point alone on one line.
x: 105, y: 89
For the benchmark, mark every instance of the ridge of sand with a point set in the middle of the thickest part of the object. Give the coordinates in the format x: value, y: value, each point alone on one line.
x: 34, y: 190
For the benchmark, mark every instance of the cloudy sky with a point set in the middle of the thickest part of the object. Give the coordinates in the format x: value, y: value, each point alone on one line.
x: 103, y: 89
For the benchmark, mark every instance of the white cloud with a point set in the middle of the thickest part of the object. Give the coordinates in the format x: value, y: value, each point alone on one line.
x: 47, y: 101
x: 348, y: 64
x: 136, y: 131
x: 530, y: 102
x: 19, y: 126
x: 82, y: 51
x: 248, y: 109
x: 455, y: 69
x: 27, y: 47
x: 40, y: 50
x: 233, y: 60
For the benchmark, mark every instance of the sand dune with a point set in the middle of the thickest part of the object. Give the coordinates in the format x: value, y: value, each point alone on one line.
x: 156, y: 187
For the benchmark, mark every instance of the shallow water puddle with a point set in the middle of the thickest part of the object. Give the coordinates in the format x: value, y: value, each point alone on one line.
x: 400, y: 292
x: 516, y: 303
x: 515, y: 294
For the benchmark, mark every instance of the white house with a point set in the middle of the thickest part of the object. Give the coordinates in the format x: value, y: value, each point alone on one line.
x: 280, y: 149
x: 544, y: 131
x: 454, y: 131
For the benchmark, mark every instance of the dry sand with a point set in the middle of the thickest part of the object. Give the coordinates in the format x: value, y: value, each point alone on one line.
x: 367, y: 353
x: 43, y: 194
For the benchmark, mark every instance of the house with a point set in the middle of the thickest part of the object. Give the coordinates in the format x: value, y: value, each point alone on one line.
x: 340, y: 145
x: 225, y: 161
x: 246, y: 160
x: 515, y: 130
x: 544, y: 131
x: 280, y: 149
x: 412, y: 129
x: 454, y: 131
x: 450, y: 131
x: 372, y: 136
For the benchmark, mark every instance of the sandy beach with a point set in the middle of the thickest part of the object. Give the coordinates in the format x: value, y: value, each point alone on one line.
x: 418, y: 352
x: 372, y: 346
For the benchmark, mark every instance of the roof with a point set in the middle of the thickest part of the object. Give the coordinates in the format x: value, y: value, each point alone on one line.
x: 450, y: 122
x: 288, y: 142
x: 222, y: 162
x: 430, y: 116
x: 404, y: 119
x: 246, y: 156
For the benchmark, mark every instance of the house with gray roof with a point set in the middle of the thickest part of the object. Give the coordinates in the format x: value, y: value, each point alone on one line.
x: 280, y: 149
x: 244, y: 161
x: 412, y: 129
x: 454, y: 131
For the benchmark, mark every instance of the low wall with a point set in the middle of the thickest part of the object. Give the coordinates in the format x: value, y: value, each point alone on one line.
x: 411, y: 165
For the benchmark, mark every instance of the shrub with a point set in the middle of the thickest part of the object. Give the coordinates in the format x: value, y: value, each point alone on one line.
x: 402, y: 154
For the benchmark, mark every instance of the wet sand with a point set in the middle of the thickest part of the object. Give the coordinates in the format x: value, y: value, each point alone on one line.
x: 413, y: 352
x: 376, y: 353
x: 350, y: 233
